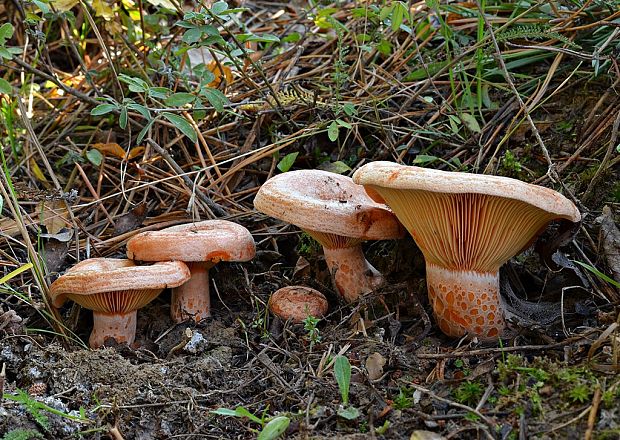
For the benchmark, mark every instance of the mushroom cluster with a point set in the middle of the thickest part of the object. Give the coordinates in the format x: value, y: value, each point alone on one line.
x: 114, y: 289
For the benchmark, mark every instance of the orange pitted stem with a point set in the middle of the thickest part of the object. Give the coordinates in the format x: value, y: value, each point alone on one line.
x: 353, y: 275
x: 465, y: 301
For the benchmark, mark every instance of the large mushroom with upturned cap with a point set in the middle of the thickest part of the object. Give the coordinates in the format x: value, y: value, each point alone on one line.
x: 467, y: 226
x: 114, y: 289
x: 339, y: 215
x: 200, y: 245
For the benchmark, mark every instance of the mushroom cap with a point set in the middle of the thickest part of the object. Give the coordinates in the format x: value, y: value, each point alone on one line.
x: 297, y: 303
x: 206, y: 241
x: 111, y: 285
x: 327, y: 203
x: 465, y: 221
x: 396, y: 176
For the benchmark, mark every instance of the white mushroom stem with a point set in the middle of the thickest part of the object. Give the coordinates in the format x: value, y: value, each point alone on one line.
x: 465, y: 301
x: 353, y: 275
x: 192, y: 300
x: 120, y: 327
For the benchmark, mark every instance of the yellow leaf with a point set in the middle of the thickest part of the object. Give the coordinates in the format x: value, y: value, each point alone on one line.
x: 135, y: 152
x: 216, y: 68
x: 64, y: 5
x: 111, y: 148
x: 103, y: 9
x: 16, y: 272
x: 164, y: 3
x: 37, y: 171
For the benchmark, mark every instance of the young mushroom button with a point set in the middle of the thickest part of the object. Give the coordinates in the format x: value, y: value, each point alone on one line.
x: 467, y: 226
x: 339, y: 215
x: 114, y: 290
x: 297, y: 303
x: 200, y: 245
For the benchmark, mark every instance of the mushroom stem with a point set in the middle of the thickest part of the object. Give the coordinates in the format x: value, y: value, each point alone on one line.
x: 191, y: 300
x: 120, y: 327
x: 353, y: 275
x: 465, y: 301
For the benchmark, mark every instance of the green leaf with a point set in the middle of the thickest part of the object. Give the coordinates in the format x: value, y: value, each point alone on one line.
x: 158, y: 92
x: 182, y: 124
x: 431, y: 69
x: 4, y: 53
x: 240, y: 411
x: 219, y: 7
x: 349, y: 109
x: 122, y: 120
x: 258, y: 38
x: 94, y: 156
x: 192, y: 35
x: 342, y: 371
x: 344, y: 124
x: 140, y: 109
x: 332, y: 131
x: 179, y: 99
x: 349, y: 413
x: 287, y: 162
x: 275, y: 428
x: 102, y: 109
x: 293, y: 37
x: 599, y: 274
x: 424, y: 158
x: 225, y: 412
x: 5, y: 87
x: 144, y: 131
x: 337, y: 167
x: 216, y: 98
x: 6, y: 32
x: 398, y: 15
x: 471, y: 122
x: 42, y: 6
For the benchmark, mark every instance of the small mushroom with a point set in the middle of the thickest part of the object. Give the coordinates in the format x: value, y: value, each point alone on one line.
x: 200, y: 245
x: 297, y: 303
x: 114, y: 290
x: 467, y: 226
x: 339, y: 215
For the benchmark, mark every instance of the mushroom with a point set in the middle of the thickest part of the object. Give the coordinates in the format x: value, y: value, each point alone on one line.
x: 200, y: 245
x: 114, y: 289
x: 339, y: 215
x: 297, y: 303
x: 467, y: 226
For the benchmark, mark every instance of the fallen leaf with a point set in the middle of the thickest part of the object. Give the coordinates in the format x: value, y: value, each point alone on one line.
x: 374, y: 366
x: 34, y: 166
x: 64, y: 5
x: 103, y: 9
x: 53, y: 214
x: 130, y: 220
x: 302, y: 268
x: 610, y: 238
x: 163, y: 3
x: 110, y: 148
x: 221, y: 72
x: 426, y: 435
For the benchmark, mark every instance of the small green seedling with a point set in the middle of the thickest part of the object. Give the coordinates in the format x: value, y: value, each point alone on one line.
x: 342, y: 371
x: 271, y: 428
x: 310, y: 324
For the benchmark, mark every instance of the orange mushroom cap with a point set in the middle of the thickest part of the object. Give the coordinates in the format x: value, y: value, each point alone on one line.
x: 210, y: 240
x: 110, y: 285
x: 325, y: 203
x: 297, y: 303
